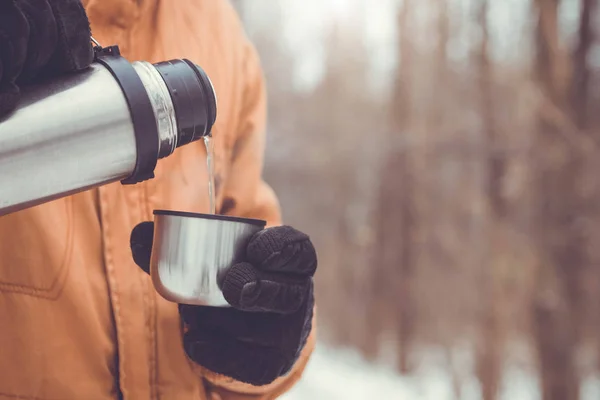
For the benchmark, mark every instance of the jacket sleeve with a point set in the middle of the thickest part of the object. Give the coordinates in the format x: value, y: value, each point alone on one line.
x: 247, y: 195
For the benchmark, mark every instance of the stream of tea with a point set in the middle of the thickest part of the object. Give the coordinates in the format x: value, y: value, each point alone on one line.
x: 209, y: 143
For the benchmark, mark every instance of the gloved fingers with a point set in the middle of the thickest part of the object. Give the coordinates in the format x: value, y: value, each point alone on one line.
x: 249, y: 289
x: 74, y: 50
x: 283, y: 249
x: 140, y: 242
x: 256, y: 365
x: 262, y: 329
x: 14, y: 34
x: 9, y: 98
x: 42, y: 36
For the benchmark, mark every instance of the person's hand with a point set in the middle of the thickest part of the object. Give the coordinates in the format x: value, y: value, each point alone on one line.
x: 260, y: 338
x: 39, y: 39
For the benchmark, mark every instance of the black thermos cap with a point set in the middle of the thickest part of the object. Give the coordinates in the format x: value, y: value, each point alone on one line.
x: 193, y: 97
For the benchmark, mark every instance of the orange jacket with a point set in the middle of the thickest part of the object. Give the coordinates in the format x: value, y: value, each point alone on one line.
x: 78, y: 319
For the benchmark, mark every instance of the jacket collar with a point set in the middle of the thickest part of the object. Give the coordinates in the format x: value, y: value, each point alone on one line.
x: 121, y: 13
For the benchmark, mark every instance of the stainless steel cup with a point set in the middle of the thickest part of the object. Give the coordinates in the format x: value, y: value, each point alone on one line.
x: 190, y: 253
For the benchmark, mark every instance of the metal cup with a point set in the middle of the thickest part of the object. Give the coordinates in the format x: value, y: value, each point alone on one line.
x: 190, y: 253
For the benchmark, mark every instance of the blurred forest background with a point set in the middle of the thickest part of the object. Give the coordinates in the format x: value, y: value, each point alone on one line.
x: 444, y: 156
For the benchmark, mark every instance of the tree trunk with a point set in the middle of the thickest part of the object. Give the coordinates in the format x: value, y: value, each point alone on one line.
x: 400, y: 170
x: 557, y: 303
x: 489, y: 358
x: 394, y: 214
x: 581, y: 72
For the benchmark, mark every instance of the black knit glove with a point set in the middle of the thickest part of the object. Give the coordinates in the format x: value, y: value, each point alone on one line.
x: 39, y: 39
x: 261, y: 336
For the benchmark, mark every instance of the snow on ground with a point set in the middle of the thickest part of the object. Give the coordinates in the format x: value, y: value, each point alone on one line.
x: 340, y: 374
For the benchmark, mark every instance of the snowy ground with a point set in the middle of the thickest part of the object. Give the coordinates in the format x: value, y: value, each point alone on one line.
x: 337, y: 374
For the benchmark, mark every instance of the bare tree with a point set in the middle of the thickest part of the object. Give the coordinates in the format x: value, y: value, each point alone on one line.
x: 581, y: 71
x: 489, y: 360
x: 395, y: 212
x: 557, y: 303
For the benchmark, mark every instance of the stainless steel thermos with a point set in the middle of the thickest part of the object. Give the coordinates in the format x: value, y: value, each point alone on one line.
x: 112, y: 122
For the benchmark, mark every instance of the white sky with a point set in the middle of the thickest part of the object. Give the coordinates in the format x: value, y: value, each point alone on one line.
x: 306, y: 23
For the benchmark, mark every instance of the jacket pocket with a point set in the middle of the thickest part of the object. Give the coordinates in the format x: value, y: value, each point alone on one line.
x: 35, y: 249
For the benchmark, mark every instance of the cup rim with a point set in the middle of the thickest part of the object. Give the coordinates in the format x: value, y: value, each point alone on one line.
x: 252, y: 221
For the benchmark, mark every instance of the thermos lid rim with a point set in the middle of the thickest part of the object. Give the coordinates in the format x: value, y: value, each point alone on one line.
x: 192, y: 96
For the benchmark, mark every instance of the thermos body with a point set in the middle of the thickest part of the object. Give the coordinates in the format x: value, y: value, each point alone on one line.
x: 89, y: 129
x: 68, y: 135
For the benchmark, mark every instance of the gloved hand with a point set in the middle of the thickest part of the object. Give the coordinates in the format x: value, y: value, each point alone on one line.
x: 39, y: 39
x: 261, y: 336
